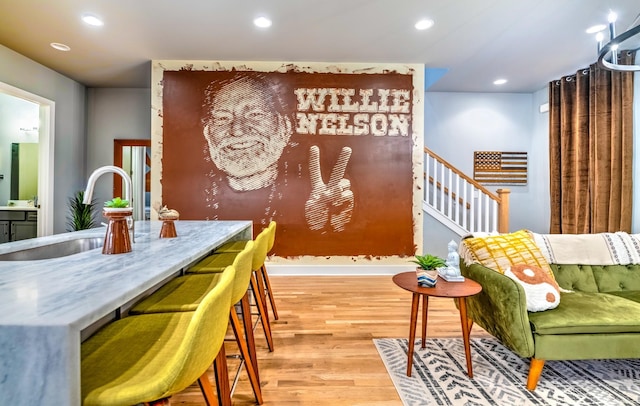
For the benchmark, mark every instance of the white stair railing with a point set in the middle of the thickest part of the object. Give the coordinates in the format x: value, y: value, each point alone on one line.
x: 461, y: 203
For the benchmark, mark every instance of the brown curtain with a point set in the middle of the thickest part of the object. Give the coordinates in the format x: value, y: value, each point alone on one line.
x: 591, y: 151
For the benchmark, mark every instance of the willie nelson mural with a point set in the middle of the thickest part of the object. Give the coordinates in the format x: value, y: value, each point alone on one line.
x: 328, y: 156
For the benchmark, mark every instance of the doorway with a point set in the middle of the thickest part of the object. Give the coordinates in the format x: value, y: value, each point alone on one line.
x: 134, y: 156
x: 45, y: 132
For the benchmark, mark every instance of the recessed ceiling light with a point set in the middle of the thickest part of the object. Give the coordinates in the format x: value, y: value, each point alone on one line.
x: 424, y: 24
x: 596, y: 28
x: 262, y: 22
x: 92, y: 20
x: 500, y: 81
x: 60, y: 47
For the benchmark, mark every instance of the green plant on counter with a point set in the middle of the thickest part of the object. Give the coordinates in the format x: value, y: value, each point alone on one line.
x: 429, y: 262
x: 82, y: 216
x: 116, y: 203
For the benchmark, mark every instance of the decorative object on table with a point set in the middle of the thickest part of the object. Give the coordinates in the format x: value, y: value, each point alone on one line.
x: 116, y: 239
x: 82, y: 216
x: 451, y: 272
x: 438, y: 378
x: 426, y: 271
x: 168, y: 216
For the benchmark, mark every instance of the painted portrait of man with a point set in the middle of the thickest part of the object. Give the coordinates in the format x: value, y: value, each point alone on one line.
x: 319, y: 154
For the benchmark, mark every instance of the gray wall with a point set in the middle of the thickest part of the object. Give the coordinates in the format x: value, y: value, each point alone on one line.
x: 114, y: 114
x: 540, y: 209
x: 457, y: 124
x: 69, y: 96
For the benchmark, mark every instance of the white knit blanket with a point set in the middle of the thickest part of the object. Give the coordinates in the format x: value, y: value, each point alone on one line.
x: 590, y: 249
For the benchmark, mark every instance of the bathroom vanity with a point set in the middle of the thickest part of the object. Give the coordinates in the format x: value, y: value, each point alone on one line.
x: 48, y: 306
x: 18, y: 223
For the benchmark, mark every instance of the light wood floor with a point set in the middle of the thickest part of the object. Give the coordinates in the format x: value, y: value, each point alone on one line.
x: 324, y: 353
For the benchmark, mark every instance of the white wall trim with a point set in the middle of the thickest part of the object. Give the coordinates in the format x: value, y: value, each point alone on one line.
x: 45, y: 155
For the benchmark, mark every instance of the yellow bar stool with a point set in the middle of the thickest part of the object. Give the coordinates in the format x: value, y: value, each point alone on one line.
x: 262, y: 275
x: 148, y: 358
x: 186, y: 292
x: 216, y: 261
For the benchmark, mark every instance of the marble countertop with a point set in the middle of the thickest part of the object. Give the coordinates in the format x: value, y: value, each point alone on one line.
x: 45, y: 304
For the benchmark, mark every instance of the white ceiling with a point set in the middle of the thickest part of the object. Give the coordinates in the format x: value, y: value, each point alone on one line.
x: 529, y: 42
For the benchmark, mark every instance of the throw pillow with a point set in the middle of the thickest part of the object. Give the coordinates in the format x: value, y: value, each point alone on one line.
x: 500, y: 252
x: 541, y: 291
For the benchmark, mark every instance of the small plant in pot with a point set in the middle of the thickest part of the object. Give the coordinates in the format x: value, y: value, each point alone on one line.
x: 427, y: 269
x: 81, y: 216
x: 116, y: 203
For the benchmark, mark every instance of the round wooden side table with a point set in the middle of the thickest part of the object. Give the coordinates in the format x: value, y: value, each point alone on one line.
x: 455, y: 290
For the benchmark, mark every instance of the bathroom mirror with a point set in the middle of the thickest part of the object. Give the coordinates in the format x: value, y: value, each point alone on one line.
x: 134, y: 156
x: 24, y: 171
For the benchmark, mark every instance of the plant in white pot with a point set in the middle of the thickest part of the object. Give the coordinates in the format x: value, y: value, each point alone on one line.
x: 116, y: 203
x: 427, y: 269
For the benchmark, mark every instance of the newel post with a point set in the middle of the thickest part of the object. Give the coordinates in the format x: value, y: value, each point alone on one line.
x: 503, y: 210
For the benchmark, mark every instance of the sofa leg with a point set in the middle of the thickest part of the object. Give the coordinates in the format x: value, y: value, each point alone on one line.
x: 534, y: 373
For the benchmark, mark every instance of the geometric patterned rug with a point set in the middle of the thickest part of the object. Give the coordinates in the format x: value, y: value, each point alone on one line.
x: 499, y: 376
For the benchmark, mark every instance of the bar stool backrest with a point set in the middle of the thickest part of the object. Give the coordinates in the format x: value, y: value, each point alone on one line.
x: 260, y: 249
x: 204, y: 337
x: 272, y: 235
x: 242, y: 264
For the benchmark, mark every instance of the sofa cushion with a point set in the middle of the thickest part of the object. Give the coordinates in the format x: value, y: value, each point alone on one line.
x: 499, y: 252
x: 541, y: 291
x: 587, y: 313
x: 615, y: 278
x: 575, y: 277
x: 627, y: 294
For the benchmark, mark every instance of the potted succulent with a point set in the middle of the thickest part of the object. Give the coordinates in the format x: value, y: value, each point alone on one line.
x: 427, y: 269
x: 117, y: 208
x: 116, y: 203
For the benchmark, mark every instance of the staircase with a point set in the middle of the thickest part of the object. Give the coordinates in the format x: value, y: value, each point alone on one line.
x: 459, y: 202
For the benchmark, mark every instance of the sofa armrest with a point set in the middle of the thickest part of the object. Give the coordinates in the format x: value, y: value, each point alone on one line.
x: 501, y: 308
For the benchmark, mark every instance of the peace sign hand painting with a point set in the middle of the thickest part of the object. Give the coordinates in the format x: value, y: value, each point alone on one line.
x: 332, y: 202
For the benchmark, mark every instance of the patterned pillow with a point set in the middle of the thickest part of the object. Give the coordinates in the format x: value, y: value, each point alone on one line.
x: 541, y: 291
x: 500, y: 252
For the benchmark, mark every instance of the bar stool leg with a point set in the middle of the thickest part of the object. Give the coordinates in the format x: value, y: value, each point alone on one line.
x: 244, y: 352
x: 265, y: 276
x: 222, y: 381
x: 262, y: 289
x: 264, y: 317
x: 248, y: 331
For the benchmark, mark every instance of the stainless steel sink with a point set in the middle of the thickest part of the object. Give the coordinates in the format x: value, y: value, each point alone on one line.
x: 57, y: 250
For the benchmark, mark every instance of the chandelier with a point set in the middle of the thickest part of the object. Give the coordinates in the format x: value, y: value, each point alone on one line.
x: 628, y: 41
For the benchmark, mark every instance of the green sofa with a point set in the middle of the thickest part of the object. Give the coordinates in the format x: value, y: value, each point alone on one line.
x: 599, y: 319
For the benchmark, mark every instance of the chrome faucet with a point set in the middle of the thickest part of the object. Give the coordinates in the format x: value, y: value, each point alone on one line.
x: 91, y: 183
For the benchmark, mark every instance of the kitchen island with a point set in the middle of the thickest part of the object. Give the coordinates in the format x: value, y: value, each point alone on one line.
x: 47, y: 305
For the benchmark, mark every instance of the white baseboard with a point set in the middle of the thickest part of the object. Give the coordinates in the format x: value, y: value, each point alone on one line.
x: 332, y: 270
